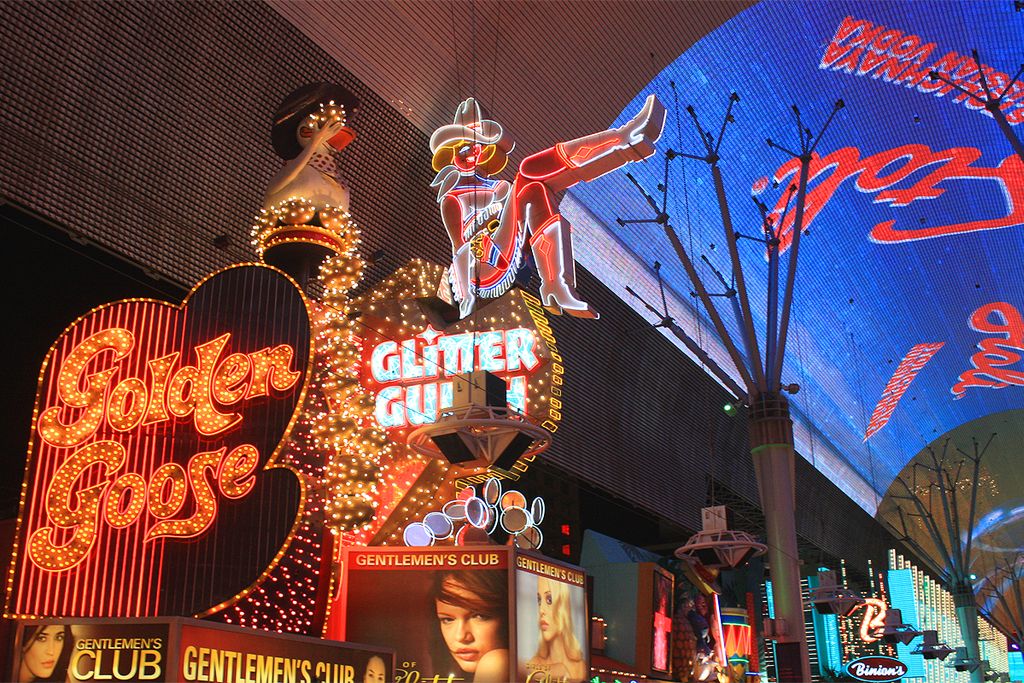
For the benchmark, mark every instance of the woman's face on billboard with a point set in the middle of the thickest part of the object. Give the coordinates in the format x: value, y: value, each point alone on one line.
x: 468, y: 634
x: 41, y: 655
x: 545, y: 610
x: 375, y: 671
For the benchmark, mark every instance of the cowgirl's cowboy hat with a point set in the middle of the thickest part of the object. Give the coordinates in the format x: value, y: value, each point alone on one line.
x: 299, y: 104
x: 468, y: 125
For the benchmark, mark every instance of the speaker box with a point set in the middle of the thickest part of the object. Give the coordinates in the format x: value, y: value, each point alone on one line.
x: 453, y: 448
x: 479, y: 388
x: 516, y: 447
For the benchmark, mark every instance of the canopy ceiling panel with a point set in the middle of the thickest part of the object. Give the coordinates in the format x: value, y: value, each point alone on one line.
x: 547, y: 71
x: 907, y: 315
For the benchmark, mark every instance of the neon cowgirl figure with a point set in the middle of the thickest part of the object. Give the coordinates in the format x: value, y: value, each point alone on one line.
x: 489, y: 220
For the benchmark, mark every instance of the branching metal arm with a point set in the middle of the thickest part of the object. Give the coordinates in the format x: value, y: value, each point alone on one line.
x: 903, y: 534
x: 974, y: 490
x: 992, y: 103
x: 928, y: 519
x: 948, y: 499
x: 1012, y: 621
x: 805, y: 156
x: 743, y: 314
x: 716, y: 319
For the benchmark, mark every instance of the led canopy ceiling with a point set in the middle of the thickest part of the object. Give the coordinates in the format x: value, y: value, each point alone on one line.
x: 908, y: 317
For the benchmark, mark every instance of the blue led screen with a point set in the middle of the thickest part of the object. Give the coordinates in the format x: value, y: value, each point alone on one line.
x: 913, y: 255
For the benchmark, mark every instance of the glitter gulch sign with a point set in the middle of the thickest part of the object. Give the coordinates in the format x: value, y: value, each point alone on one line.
x: 153, y: 452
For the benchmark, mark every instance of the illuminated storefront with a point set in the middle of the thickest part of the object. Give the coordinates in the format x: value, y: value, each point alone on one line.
x: 150, y: 529
x: 924, y: 604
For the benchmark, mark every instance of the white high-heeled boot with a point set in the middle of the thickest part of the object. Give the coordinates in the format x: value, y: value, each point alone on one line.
x: 462, y: 280
x: 552, y: 250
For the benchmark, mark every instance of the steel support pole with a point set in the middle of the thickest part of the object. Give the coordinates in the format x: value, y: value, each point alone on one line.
x: 716, y: 319
x: 967, y: 616
x: 1007, y: 130
x: 775, y: 375
x: 746, y: 321
x: 771, y: 446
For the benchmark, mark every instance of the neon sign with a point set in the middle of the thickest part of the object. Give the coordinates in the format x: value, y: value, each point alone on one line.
x: 409, y: 348
x: 873, y: 621
x: 898, y: 384
x: 410, y: 375
x: 1006, y: 325
x: 190, y: 390
x: 488, y: 220
x: 405, y: 369
x: 194, y: 391
x: 157, y: 424
x: 876, y: 669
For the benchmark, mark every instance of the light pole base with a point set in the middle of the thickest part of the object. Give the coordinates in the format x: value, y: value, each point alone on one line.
x: 771, y: 446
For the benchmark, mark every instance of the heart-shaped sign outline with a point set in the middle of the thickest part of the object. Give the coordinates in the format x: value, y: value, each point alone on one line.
x: 272, y: 462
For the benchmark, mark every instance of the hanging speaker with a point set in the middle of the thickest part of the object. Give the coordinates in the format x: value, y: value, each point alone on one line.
x: 453, y: 448
x: 479, y: 388
x: 516, y: 447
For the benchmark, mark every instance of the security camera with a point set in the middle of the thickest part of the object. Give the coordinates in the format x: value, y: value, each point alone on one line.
x: 830, y: 598
x: 895, y: 631
x: 931, y: 648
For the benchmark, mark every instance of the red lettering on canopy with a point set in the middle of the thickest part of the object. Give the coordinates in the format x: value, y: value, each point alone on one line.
x: 881, y: 172
x: 898, y: 384
x: 1004, y: 348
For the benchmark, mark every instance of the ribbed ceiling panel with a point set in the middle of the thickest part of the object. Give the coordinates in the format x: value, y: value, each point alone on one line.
x: 548, y: 71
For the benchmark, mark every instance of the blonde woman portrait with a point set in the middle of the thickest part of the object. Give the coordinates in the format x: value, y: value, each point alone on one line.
x: 559, y: 655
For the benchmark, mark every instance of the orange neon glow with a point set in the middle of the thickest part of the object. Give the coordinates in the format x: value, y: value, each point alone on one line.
x: 873, y: 621
x: 140, y: 438
x: 192, y: 390
x: 74, y: 507
x: 587, y: 152
x: 70, y: 389
x: 76, y: 511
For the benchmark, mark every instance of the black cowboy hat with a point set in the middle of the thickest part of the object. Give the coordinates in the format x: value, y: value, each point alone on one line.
x: 299, y: 104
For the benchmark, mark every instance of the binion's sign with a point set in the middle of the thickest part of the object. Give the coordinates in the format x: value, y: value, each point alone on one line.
x: 153, y: 444
x: 876, y: 669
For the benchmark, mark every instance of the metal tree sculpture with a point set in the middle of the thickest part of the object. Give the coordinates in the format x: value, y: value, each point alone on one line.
x: 940, y: 497
x: 771, y: 427
x: 993, y: 103
x: 1002, y: 599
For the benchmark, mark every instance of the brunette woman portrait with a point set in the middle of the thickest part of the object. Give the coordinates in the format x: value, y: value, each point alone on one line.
x: 45, y: 653
x: 471, y: 609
